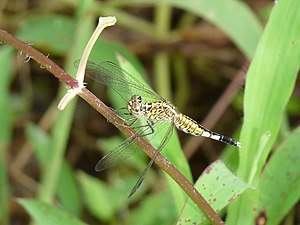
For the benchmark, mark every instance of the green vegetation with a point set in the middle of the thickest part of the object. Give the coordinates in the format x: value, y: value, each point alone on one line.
x: 191, y: 50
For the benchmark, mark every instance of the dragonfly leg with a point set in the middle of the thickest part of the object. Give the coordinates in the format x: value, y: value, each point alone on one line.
x: 120, y: 111
x: 148, y: 125
x: 133, y: 120
x: 159, y: 149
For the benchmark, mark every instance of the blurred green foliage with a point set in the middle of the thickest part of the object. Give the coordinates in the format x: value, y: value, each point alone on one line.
x: 65, y: 190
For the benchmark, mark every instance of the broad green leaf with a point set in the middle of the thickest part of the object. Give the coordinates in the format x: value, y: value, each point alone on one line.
x: 269, y: 85
x: 45, y: 214
x: 270, y: 82
x: 280, y: 182
x: 219, y: 186
x: 53, y: 33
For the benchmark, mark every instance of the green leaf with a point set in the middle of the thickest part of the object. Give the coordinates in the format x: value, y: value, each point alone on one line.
x: 68, y: 191
x: 6, y: 59
x: 280, y: 182
x: 53, y: 33
x: 219, y: 187
x: 103, y: 200
x: 270, y: 82
x: 45, y: 214
x: 154, y: 209
x: 269, y: 85
x: 6, y: 62
x: 67, y: 188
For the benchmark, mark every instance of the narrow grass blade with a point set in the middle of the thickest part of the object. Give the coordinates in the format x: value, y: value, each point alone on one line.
x: 6, y: 57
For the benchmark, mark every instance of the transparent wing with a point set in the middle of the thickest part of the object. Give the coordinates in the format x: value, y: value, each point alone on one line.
x: 128, y: 148
x: 159, y: 149
x: 113, y: 76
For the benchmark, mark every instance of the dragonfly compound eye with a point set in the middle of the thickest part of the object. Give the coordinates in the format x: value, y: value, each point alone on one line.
x: 139, y: 99
x: 136, y: 98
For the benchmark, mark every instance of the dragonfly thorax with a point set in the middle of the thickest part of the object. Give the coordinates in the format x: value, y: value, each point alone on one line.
x: 161, y: 111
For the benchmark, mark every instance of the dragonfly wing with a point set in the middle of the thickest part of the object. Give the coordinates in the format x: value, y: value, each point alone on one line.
x: 158, y: 150
x: 113, y: 76
x: 126, y: 149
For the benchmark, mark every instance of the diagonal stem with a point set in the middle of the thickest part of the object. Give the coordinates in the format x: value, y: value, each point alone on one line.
x: 96, y: 103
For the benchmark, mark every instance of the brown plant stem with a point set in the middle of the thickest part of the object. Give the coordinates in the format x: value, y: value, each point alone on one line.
x: 89, y: 97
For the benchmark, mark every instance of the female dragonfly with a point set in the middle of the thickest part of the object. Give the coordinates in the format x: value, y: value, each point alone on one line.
x: 143, y: 104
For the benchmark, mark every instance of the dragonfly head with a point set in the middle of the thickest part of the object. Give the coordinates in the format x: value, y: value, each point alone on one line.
x: 134, y: 105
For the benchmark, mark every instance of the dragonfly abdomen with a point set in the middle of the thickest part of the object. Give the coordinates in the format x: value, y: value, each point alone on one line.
x: 190, y: 126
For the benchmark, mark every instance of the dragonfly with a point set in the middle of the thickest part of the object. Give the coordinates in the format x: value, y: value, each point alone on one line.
x: 143, y: 104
